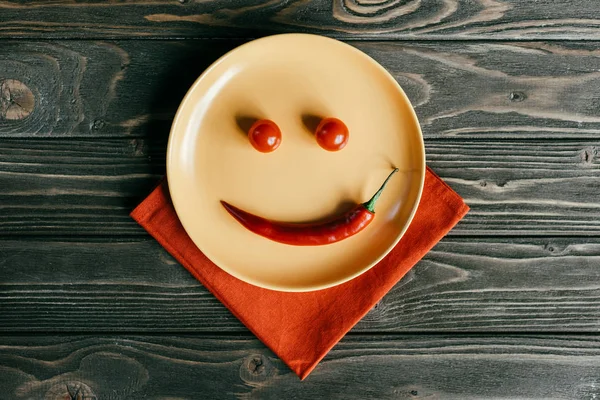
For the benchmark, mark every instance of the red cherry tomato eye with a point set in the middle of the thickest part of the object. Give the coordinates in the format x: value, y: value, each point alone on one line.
x: 264, y: 135
x: 332, y: 134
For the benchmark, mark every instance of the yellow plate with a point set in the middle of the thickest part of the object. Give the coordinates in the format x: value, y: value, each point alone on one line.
x: 294, y: 79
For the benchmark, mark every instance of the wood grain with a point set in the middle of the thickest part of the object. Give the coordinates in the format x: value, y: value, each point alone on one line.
x: 511, y: 125
x: 75, y: 187
x: 390, y: 19
x: 84, y: 88
x: 462, y: 285
x: 522, y: 188
x: 89, y: 187
x: 465, y: 90
x: 404, y: 367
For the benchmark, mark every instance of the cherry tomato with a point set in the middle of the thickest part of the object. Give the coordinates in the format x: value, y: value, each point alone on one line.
x: 332, y: 134
x: 265, y: 135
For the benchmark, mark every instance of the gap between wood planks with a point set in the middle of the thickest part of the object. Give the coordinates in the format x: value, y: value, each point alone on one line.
x: 250, y: 335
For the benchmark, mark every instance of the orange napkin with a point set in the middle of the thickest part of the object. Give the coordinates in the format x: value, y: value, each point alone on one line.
x: 301, y: 328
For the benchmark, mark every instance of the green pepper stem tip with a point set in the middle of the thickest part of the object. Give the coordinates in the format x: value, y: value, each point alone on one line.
x: 370, y: 205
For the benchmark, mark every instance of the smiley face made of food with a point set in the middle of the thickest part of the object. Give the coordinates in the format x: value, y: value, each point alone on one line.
x: 332, y: 135
x: 296, y: 81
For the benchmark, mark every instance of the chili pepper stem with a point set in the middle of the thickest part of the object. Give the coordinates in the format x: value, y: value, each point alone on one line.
x: 370, y: 205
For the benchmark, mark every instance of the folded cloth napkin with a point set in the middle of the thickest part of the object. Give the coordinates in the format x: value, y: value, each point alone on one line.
x: 301, y: 328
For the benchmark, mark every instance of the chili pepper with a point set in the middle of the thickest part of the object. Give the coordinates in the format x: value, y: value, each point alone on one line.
x: 311, y: 234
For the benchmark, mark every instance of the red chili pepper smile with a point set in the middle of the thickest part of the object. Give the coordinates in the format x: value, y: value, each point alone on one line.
x: 311, y: 234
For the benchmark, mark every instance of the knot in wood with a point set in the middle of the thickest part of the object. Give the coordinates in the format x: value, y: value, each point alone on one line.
x: 517, y: 96
x: 98, y: 124
x: 139, y: 147
x: 71, y: 390
x: 588, y: 154
x: 256, y: 365
x: 257, y: 368
x: 553, y: 249
x: 377, y: 313
x: 16, y: 100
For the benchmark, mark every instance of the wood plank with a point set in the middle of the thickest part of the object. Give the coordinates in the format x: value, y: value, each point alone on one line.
x: 462, y: 285
x: 133, y: 88
x: 522, y: 188
x: 406, y: 367
x: 433, y: 19
x: 88, y: 187
x: 87, y: 88
x: 75, y: 187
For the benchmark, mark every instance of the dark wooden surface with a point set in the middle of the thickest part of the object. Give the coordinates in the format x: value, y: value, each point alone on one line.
x: 462, y: 285
x: 507, y: 306
x: 390, y: 19
x: 359, y: 367
x: 87, y: 187
x: 480, y: 90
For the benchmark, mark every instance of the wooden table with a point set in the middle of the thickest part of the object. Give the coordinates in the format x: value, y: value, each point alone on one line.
x: 506, y: 306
